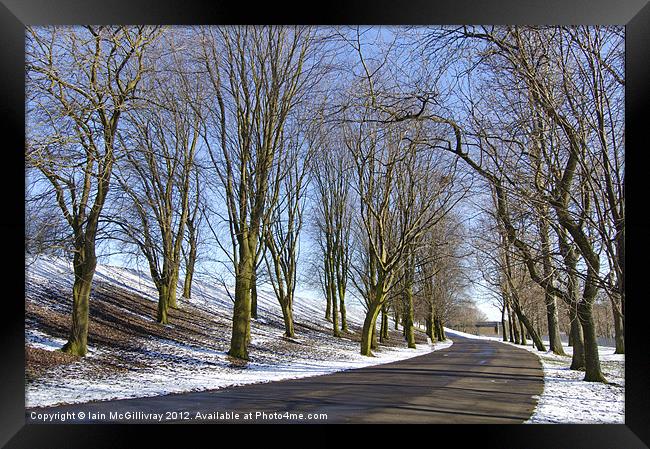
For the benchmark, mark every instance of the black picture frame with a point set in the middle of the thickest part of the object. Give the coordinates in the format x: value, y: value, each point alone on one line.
x: 15, y: 14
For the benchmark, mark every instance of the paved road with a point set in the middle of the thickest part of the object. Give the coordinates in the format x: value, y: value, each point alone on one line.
x: 473, y: 381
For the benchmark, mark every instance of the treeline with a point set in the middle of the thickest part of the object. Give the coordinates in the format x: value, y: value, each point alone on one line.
x: 548, y: 138
x: 239, y: 144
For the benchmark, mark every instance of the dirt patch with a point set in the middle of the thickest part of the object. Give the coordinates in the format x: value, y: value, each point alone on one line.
x: 38, y: 361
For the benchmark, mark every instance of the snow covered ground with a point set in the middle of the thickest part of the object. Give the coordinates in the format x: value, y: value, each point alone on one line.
x: 567, y: 399
x: 165, y: 365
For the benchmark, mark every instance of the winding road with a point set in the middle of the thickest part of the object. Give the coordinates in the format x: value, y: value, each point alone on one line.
x: 473, y: 381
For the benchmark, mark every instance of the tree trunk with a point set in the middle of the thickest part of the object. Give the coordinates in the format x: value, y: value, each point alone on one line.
x: 592, y: 359
x: 335, y: 311
x: 578, y: 358
x: 435, y: 330
x: 509, y: 314
x: 522, y: 333
x: 190, y: 261
x: 511, y: 334
x: 287, y: 315
x: 344, y: 319
x: 410, y: 334
x: 254, y: 294
x: 441, y: 330
x: 328, y: 294
x: 383, y: 334
x: 242, y: 308
x: 515, y: 327
x: 430, y: 322
x: 374, y: 344
x: 163, y: 304
x: 386, y: 336
x: 619, y: 334
x: 368, y: 328
x: 84, y: 270
x: 555, y: 342
x: 396, y: 319
x: 189, y: 275
x: 503, y: 323
x: 171, y: 289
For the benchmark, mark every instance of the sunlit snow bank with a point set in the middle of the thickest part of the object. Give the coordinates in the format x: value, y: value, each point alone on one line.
x: 567, y: 399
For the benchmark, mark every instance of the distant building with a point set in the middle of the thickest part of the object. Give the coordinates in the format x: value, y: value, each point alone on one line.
x: 488, y: 328
x: 485, y: 328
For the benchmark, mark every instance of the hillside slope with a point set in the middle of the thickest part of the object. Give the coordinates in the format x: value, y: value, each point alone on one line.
x: 130, y: 355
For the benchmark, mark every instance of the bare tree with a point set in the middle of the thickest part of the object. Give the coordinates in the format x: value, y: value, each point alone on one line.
x: 541, y: 66
x: 394, y: 212
x: 157, y: 171
x: 81, y: 81
x: 332, y: 217
x: 282, y: 227
x: 257, y: 76
x: 193, y: 235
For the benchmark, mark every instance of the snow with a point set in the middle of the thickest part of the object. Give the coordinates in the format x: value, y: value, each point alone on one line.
x: 175, y: 367
x: 566, y: 398
x: 569, y: 399
x: 41, y: 340
x: 38, y: 339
